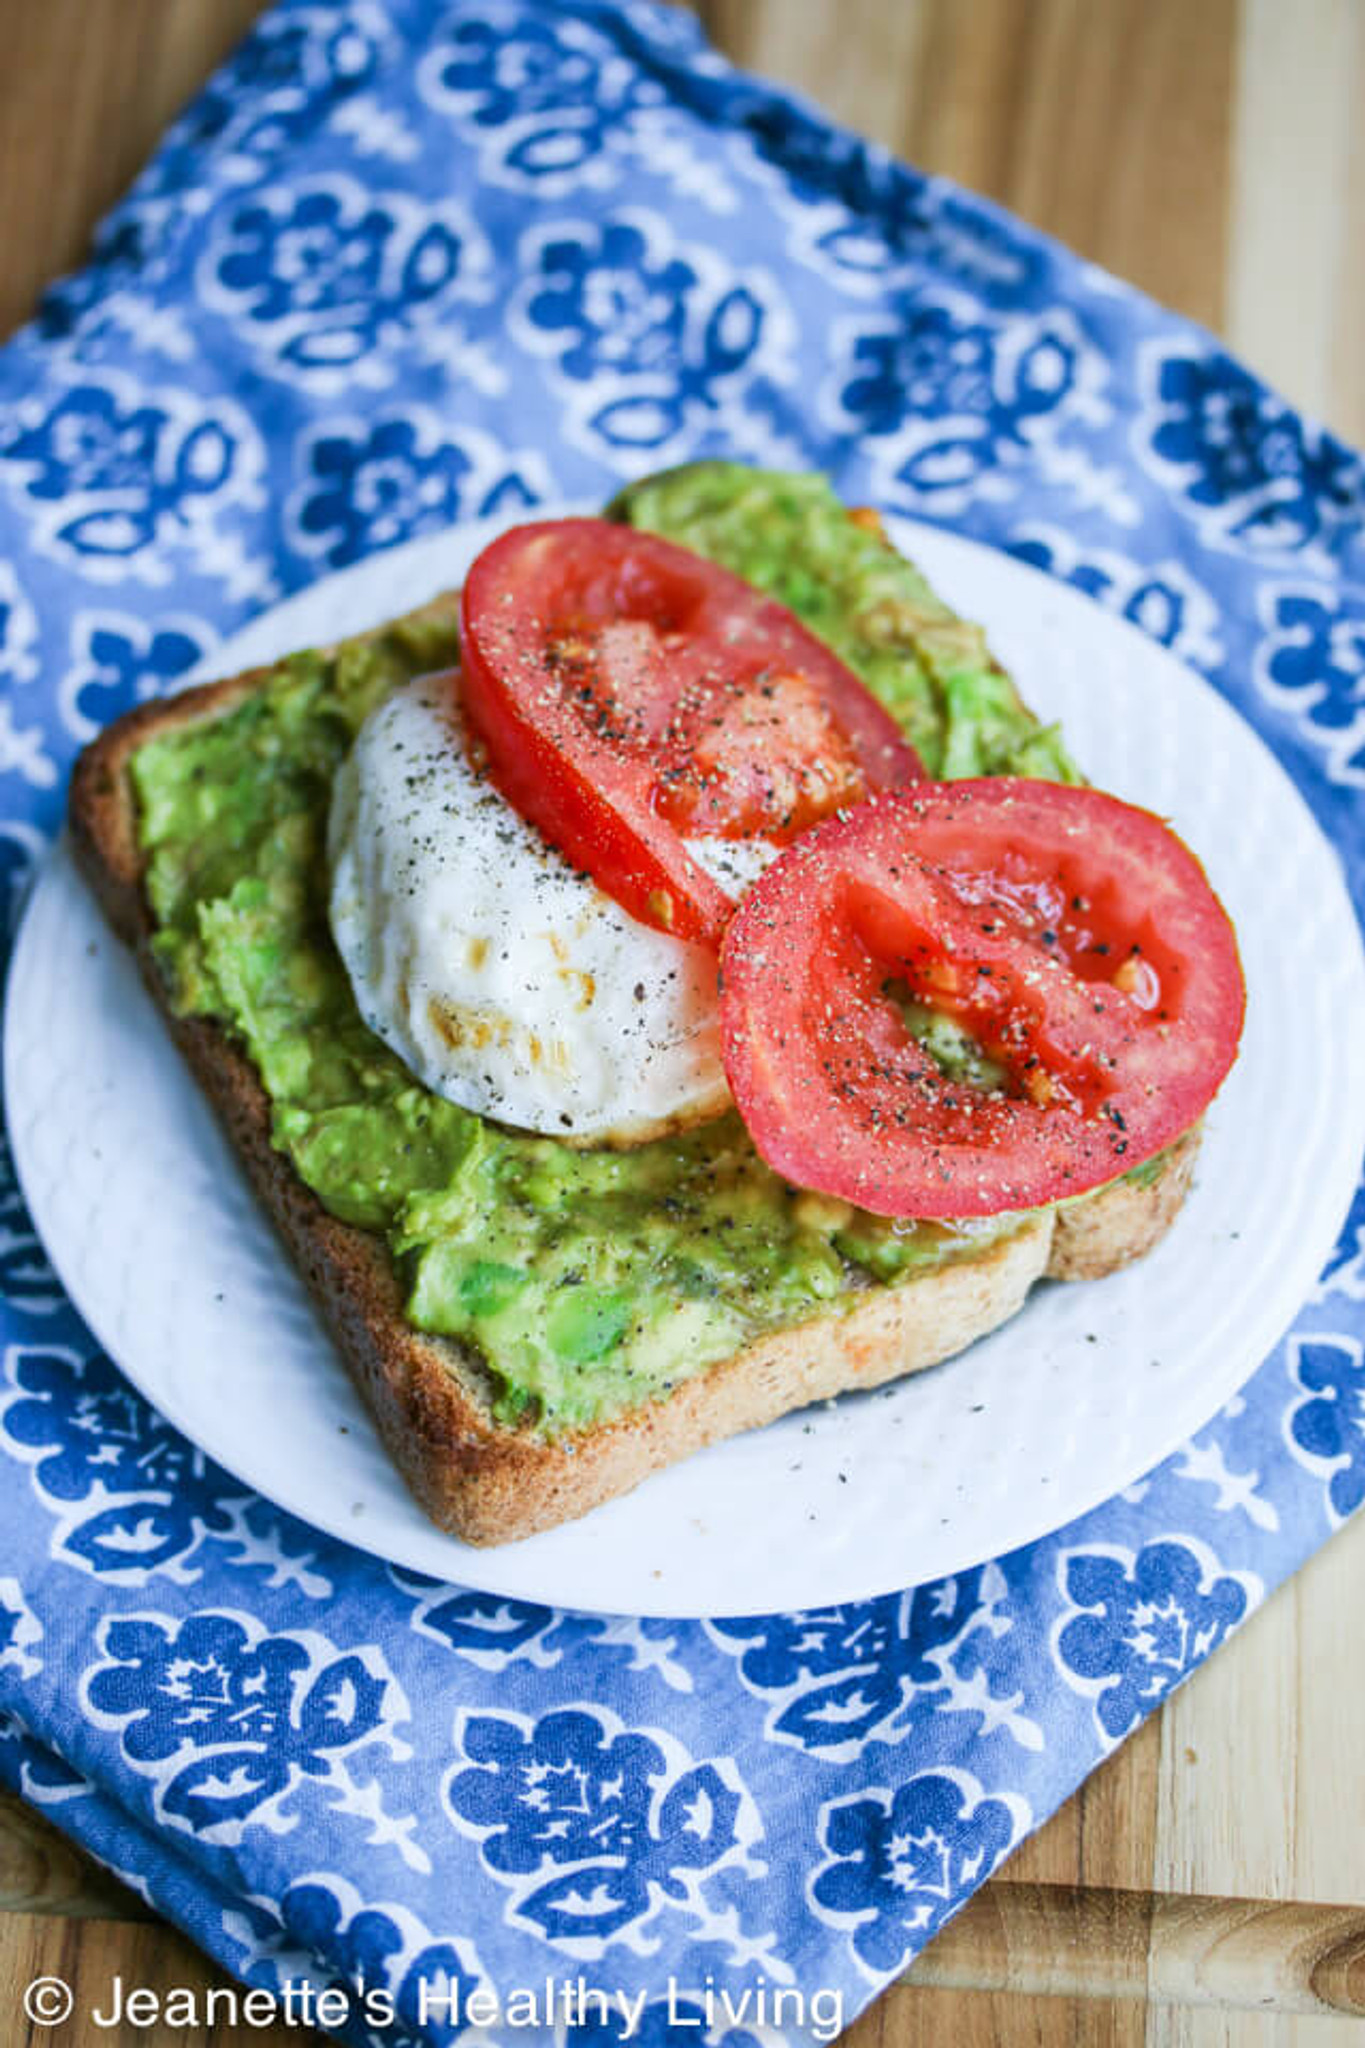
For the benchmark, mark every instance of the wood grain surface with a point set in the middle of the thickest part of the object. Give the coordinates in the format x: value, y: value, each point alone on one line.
x: 1206, y: 1888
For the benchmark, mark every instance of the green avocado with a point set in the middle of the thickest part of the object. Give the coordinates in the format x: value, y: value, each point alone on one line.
x: 586, y: 1281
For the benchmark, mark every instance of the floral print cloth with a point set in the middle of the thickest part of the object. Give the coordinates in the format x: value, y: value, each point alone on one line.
x: 404, y: 262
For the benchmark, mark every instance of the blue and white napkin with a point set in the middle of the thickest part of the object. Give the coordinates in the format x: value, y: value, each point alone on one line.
x: 408, y: 261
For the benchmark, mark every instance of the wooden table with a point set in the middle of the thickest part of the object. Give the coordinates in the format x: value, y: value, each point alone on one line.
x: 1212, y: 152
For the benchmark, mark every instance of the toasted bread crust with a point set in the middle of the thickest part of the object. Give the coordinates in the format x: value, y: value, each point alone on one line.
x: 485, y: 1481
x: 1097, y: 1237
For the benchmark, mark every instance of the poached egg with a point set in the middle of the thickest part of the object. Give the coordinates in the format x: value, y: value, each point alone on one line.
x: 501, y: 975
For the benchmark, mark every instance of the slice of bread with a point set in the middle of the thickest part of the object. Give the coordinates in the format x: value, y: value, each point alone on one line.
x: 432, y: 1399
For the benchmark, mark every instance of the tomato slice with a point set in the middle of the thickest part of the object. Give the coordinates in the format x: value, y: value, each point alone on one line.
x: 630, y: 694
x: 1073, y: 937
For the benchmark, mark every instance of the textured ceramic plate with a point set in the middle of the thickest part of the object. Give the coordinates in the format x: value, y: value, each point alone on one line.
x: 155, y: 1234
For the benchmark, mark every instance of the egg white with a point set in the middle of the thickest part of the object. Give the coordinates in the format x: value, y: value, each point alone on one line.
x: 504, y: 978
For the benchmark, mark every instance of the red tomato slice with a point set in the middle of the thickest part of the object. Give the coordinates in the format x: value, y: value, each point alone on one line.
x: 630, y: 694
x: 1073, y: 936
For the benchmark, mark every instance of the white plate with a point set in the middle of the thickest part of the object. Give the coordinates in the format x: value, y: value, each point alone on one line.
x: 152, y: 1229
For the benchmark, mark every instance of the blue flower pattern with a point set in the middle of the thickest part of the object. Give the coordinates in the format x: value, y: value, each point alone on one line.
x: 549, y: 94
x: 94, y: 1443
x: 667, y: 331
x: 954, y: 399
x: 1327, y: 1427
x: 627, y: 1832
x: 840, y: 1676
x: 898, y: 1863
x: 131, y: 1497
x: 118, y: 660
x: 241, y: 1719
x: 295, y: 73
x: 1247, y: 466
x: 369, y: 487
x: 402, y: 262
x: 1312, y: 666
x: 331, y: 272
x: 1138, y: 1625
x: 485, y: 1627
x: 115, y: 475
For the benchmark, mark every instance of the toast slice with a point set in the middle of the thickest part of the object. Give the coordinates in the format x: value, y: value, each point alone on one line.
x: 432, y: 1398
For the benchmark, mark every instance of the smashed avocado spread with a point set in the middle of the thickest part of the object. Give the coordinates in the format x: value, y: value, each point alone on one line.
x: 585, y: 1281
